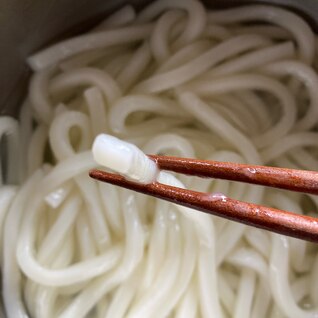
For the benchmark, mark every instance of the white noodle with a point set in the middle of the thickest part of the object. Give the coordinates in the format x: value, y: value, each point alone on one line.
x: 123, y: 16
x: 199, y: 65
x: 196, y: 20
x: 296, y: 25
x: 255, y: 81
x: 56, y: 53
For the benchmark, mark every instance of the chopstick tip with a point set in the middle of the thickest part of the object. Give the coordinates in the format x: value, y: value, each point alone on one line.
x: 93, y: 173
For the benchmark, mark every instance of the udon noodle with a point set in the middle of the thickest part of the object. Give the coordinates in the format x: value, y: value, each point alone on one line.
x: 236, y: 85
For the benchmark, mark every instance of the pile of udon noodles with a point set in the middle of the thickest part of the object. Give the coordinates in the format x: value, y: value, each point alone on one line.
x: 177, y: 79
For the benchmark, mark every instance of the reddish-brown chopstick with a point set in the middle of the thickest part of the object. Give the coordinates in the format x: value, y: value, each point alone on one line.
x: 289, y: 179
x: 282, y: 222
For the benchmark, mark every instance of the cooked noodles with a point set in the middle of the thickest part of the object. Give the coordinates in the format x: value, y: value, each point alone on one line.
x: 235, y: 85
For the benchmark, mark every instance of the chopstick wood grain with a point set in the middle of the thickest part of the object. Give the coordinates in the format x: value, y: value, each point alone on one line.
x: 289, y: 179
x: 274, y: 220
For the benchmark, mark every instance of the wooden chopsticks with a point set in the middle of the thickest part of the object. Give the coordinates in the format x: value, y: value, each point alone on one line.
x: 289, y: 179
x: 282, y: 222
